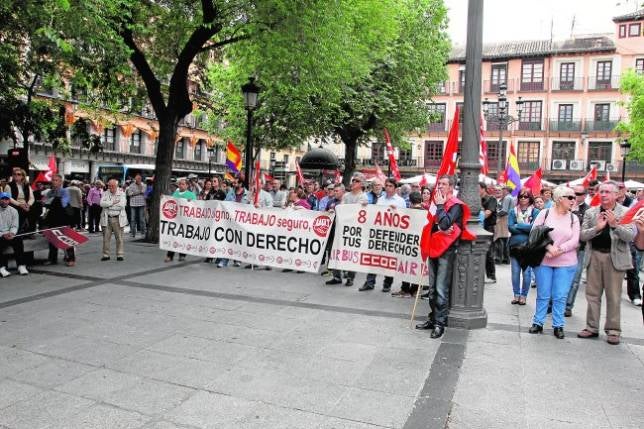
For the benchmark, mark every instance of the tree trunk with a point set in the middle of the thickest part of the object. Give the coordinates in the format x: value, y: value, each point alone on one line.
x: 350, y: 154
x: 163, y: 169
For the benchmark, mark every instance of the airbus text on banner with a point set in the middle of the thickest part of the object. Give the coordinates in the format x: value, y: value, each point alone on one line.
x: 233, y: 157
x: 380, y: 240
x: 393, y: 165
x: 64, y: 238
x: 294, y: 239
x: 513, y: 177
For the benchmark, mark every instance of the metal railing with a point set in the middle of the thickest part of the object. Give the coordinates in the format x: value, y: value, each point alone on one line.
x: 560, y: 84
x: 599, y: 83
x: 530, y: 126
x: 490, y: 86
x: 591, y: 125
x: 557, y: 125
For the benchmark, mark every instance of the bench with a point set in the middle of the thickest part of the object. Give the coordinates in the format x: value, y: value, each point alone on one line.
x: 30, y: 246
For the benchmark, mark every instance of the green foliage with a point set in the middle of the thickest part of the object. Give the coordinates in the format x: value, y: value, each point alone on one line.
x: 371, y: 65
x: 633, y: 85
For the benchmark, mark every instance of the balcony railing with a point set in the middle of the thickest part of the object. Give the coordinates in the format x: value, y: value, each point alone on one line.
x: 591, y: 125
x: 574, y: 84
x: 598, y: 83
x: 530, y: 126
x: 532, y: 86
x: 557, y: 125
x: 439, y: 126
x: 490, y: 86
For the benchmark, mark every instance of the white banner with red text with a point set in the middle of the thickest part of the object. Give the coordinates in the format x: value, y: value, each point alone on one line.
x: 379, y: 240
x: 282, y: 238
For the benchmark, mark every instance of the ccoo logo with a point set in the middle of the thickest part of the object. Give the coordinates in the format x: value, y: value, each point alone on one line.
x: 169, y: 209
x: 321, y: 225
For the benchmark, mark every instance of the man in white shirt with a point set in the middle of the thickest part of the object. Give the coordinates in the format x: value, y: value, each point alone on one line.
x: 393, y: 200
x: 113, y: 219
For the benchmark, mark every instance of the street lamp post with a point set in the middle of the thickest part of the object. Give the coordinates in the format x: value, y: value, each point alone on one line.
x: 626, y: 147
x: 250, y: 91
x: 501, y: 118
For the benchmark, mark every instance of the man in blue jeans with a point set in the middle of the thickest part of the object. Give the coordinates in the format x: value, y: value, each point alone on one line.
x: 448, y: 213
x: 579, y: 209
x: 136, y: 192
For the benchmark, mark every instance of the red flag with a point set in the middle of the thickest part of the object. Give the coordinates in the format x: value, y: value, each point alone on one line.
x: 485, y: 170
x: 393, y: 166
x: 64, y: 238
x: 448, y: 164
x: 379, y: 174
x: 298, y: 171
x: 46, y: 176
x: 338, y: 177
x: 591, y: 176
x: 596, y: 200
x: 423, y: 181
x: 633, y: 212
x: 258, y: 183
x: 267, y: 178
x: 534, y: 182
x: 503, y: 177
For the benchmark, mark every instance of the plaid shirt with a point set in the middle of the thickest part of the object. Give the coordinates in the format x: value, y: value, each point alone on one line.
x: 136, y: 194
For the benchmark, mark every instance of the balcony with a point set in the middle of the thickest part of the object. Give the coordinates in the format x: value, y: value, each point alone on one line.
x: 438, y: 126
x: 596, y: 83
x: 530, y: 126
x: 492, y: 87
x: 527, y: 166
x: 409, y: 162
x: 532, y: 86
x: 591, y: 125
x: 559, y: 84
x: 557, y: 125
x: 442, y: 88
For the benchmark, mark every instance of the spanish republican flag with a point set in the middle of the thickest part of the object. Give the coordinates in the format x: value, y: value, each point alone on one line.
x: 233, y: 157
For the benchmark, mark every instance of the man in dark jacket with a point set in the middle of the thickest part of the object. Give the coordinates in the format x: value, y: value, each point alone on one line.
x: 58, y: 206
x: 489, y: 206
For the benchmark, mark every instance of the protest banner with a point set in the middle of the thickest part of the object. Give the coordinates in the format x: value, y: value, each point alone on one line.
x: 63, y: 238
x: 380, y: 240
x: 294, y: 239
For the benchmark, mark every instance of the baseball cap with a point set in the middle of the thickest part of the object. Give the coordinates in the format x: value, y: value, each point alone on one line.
x: 4, y: 195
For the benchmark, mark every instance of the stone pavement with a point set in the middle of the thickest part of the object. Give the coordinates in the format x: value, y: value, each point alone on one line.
x: 143, y: 344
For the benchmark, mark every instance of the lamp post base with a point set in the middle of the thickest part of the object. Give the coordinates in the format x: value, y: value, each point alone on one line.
x: 468, y: 282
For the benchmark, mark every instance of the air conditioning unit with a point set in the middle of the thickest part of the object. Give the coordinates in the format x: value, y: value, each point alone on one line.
x: 558, y: 164
x: 611, y: 167
x: 576, y: 164
x: 600, y: 163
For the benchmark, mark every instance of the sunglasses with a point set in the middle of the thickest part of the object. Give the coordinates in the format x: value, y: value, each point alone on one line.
x: 524, y: 196
x: 356, y: 180
x: 570, y: 197
x: 580, y: 194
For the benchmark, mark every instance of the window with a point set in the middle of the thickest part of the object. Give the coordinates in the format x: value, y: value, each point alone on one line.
x: 180, y: 148
x: 530, y: 116
x: 460, y: 114
x: 437, y: 122
x: 565, y: 113
x: 634, y: 30
x: 109, y: 139
x: 563, y: 150
x: 273, y: 156
x: 622, y: 31
x: 378, y: 153
x: 602, y: 112
x: 198, y: 151
x: 285, y: 159
x: 135, y: 142
x: 493, y: 123
x: 433, y: 153
x: 499, y: 76
x: 404, y: 158
x: 493, y: 152
x: 599, y: 151
x: 528, y: 155
x: 155, y: 145
x: 567, y: 76
x: 532, y: 75
x: 461, y: 81
x: 604, y: 70
x: 639, y: 66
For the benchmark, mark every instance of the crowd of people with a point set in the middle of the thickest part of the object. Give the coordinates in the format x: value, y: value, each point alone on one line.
x: 582, y: 237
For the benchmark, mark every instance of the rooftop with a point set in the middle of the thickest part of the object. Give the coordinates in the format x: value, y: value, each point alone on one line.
x: 539, y: 48
x: 630, y: 16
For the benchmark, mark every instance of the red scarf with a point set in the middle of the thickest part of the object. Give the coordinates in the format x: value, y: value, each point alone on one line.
x: 434, y: 244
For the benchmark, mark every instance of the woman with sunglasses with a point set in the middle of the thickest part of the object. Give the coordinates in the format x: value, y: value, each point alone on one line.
x: 555, y: 274
x: 520, y: 221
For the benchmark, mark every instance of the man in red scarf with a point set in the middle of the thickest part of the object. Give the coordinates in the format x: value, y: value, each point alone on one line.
x: 447, y: 230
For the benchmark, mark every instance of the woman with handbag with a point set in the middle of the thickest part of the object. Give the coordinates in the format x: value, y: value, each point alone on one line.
x: 520, y: 221
x: 555, y: 274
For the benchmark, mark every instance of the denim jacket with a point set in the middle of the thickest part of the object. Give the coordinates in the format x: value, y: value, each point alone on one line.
x: 520, y: 231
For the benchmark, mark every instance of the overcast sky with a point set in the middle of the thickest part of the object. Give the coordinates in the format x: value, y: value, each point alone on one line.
x: 531, y: 19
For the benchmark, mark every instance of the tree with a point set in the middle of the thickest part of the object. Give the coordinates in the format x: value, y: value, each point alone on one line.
x: 633, y: 85
x: 389, y: 86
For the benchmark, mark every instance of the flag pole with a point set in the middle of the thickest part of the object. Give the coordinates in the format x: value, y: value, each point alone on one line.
x: 38, y: 231
x: 418, y: 293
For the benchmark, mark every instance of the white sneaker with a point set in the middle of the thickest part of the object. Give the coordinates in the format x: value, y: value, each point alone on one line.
x: 22, y: 270
x: 4, y: 272
x: 637, y: 302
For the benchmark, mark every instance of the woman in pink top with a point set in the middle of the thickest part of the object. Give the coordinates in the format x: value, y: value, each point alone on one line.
x: 555, y: 274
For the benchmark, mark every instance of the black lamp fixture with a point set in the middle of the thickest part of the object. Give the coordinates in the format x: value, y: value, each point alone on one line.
x: 501, y: 117
x: 626, y: 148
x: 251, y: 93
